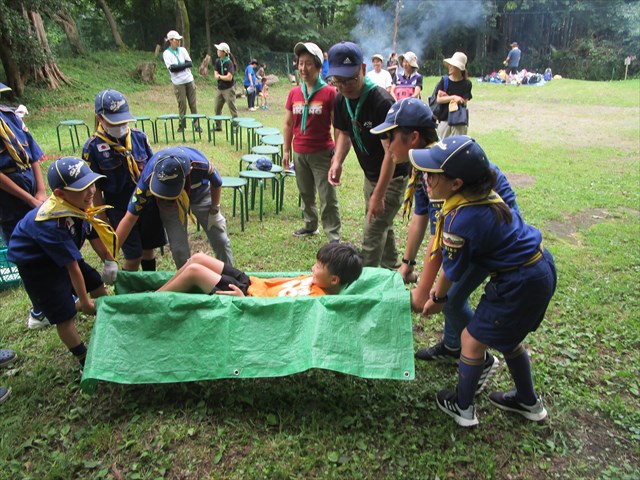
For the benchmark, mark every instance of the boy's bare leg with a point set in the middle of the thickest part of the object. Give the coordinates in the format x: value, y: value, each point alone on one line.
x: 190, y: 276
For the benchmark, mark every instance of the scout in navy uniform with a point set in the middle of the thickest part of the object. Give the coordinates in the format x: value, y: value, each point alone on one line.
x: 181, y: 179
x: 46, y: 244
x: 476, y: 227
x: 120, y: 153
x: 410, y: 125
x: 21, y: 184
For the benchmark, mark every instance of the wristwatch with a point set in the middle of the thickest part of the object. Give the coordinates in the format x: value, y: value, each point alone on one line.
x: 437, y: 299
x: 411, y: 263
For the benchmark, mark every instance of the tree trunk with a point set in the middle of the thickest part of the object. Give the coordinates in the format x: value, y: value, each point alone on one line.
x: 48, y: 71
x: 112, y: 24
x: 68, y: 24
x: 182, y: 22
x: 207, y: 27
x: 11, y: 69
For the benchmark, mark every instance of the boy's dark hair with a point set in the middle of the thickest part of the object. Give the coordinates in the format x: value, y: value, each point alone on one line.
x: 341, y: 259
x: 429, y: 135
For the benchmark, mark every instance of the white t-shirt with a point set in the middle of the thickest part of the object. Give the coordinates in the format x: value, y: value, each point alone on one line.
x: 170, y: 58
x: 382, y: 79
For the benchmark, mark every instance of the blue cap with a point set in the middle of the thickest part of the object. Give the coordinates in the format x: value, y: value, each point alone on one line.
x: 71, y: 173
x: 408, y: 112
x: 113, y: 106
x: 458, y: 157
x: 169, y: 172
x: 345, y: 60
x: 264, y: 164
x: 4, y: 88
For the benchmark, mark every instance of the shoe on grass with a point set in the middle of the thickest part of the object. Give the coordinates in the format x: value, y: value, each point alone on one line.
x: 305, y: 232
x: 507, y: 401
x: 218, y: 129
x: 448, y: 402
x: 7, y: 357
x: 491, y: 364
x: 438, y: 353
x: 4, y: 394
x: 198, y: 130
x: 37, y: 320
x: 180, y: 129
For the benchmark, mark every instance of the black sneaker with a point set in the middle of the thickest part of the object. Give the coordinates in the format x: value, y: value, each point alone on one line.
x: 507, y: 401
x: 4, y: 394
x: 447, y: 400
x: 304, y: 232
x: 180, y: 129
x: 198, y: 130
x: 491, y: 364
x: 218, y: 129
x: 439, y: 353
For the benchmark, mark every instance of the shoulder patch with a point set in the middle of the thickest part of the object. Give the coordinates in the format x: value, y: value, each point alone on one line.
x: 103, y: 147
x: 452, y: 241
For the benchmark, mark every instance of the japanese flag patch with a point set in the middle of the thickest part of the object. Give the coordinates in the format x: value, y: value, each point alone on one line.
x: 103, y: 147
x: 452, y: 241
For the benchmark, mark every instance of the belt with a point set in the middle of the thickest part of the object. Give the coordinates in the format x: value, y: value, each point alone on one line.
x: 532, y: 261
x: 9, y: 170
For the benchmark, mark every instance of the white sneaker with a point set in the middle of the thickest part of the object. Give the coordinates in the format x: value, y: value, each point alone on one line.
x: 37, y: 320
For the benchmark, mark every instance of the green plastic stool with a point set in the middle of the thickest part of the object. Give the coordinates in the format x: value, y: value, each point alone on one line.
x: 274, y: 141
x: 72, y: 125
x: 211, y: 126
x: 239, y: 186
x: 248, y: 158
x: 276, y: 159
x: 256, y: 177
x: 142, y: 120
x: 234, y: 130
x: 250, y: 127
x: 170, y: 117
x: 195, y: 124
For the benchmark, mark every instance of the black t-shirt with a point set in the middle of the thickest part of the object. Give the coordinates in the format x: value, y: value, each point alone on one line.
x: 228, y: 67
x: 462, y: 88
x: 373, y: 113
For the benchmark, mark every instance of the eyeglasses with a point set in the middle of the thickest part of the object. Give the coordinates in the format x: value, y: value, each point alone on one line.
x: 345, y: 82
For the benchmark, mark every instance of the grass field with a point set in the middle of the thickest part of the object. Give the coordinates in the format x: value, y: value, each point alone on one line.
x: 571, y: 151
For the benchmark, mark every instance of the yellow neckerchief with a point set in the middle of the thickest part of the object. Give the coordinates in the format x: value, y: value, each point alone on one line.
x: 125, y: 150
x: 13, y: 146
x: 414, y: 182
x: 55, y: 207
x: 458, y: 201
x: 184, y: 212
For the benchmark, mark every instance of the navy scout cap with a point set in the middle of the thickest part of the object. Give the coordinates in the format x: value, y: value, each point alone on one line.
x: 71, y: 173
x: 345, y: 60
x: 4, y: 88
x: 113, y: 106
x: 408, y: 112
x: 169, y: 172
x: 458, y: 157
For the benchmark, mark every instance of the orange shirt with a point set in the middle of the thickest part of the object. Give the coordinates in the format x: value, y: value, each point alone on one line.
x: 284, y: 287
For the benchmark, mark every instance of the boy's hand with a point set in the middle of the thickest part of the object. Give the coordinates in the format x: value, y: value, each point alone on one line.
x: 235, y: 291
x: 88, y: 308
x: 109, y: 272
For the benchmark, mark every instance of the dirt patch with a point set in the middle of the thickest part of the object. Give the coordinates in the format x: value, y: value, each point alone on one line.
x: 567, y: 228
x: 520, y: 180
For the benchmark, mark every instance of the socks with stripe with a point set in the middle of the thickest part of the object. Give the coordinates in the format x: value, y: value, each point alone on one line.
x: 520, y: 368
x: 469, y: 371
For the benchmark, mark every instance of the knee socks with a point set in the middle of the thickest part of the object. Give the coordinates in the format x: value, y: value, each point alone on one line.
x: 520, y: 369
x: 80, y: 352
x: 469, y: 371
x: 148, y: 265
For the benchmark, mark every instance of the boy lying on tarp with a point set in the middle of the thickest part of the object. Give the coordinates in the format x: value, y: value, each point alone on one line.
x: 337, y: 265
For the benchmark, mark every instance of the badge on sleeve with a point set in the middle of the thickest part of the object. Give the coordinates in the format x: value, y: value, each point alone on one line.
x: 452, y: 241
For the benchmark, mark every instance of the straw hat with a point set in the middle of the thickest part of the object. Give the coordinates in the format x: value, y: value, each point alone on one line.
x: 458, y: 60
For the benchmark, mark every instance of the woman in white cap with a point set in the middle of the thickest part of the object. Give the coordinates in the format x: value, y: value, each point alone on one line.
x: 457, y: 90
x: 224, y: 70
x: 179, y: 64
x: 409, y: 84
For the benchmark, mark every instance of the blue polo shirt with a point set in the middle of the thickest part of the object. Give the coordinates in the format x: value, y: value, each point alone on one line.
x: 249, y: 72
x: 22, y: 134
x: 201, y: 175
x: 103, y: 159
x: 56, y: 241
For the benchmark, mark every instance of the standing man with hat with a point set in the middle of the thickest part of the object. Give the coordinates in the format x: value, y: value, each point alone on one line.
x: 224, y: 70
x: 178, y: 61
x: 513, y: 59
x: 181, y: 180
x: 360, y: 105
x: 119, y: 153
x: 380, y: 77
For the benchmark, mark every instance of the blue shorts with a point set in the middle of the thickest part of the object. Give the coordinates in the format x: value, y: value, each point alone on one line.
x: 514, y: 304
x: 146, y: 234
x: 49, y: 287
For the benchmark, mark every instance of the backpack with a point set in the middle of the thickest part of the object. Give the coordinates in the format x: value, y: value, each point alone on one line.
x: 438, y: 109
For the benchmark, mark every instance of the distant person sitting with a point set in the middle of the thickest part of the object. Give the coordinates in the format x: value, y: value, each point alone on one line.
x: 379, y: 76
x: 337, y: 265
x: 513, y: 59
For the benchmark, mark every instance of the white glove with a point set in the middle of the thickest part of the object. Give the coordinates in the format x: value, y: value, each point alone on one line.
x: 110, y: 272
x: 216, y: 219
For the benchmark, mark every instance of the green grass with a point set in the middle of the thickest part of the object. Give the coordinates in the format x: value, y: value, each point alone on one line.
x: 571, y: 149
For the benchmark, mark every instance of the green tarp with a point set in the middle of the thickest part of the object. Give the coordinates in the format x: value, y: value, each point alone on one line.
x: 152, y: 337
